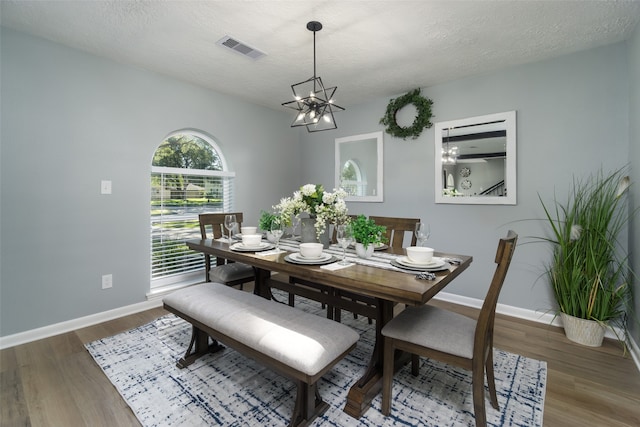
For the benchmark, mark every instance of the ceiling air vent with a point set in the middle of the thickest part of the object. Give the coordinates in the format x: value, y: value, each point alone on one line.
x: 240, y: 47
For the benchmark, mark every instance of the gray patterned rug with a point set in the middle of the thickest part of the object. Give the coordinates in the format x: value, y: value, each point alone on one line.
x: 229, y: 389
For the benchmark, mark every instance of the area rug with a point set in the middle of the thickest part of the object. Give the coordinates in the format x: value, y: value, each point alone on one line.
x: 229, y: 389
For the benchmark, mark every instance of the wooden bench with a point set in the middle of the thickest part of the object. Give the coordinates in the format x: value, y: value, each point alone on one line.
x: 296, y: 344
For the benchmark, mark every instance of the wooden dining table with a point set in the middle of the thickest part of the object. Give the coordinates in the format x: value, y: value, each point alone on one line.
x: 381, y: 289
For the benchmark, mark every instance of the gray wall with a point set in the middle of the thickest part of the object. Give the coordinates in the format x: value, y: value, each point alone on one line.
x: 70, y: 119
x: 572, y: 118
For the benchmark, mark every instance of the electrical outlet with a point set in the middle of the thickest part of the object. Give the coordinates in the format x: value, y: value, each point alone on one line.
x: 107, y: 281
x: 105, y: 187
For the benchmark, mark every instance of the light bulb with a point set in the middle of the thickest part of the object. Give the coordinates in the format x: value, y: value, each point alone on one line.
x: 327, y: 118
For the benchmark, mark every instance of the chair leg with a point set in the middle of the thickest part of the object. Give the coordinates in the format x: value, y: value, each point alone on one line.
x: 491, y: 382
x: 387, y: 375
x: 478, y: 394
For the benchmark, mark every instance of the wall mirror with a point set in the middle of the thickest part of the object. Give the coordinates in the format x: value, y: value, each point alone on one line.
x: 358, y: 168
x: 475, y: 160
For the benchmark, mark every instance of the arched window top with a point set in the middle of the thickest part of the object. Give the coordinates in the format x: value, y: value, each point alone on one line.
x: 189, y: 149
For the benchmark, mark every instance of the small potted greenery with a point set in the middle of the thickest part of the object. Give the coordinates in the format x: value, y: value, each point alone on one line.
x: 589, y: 272
x: 266, y: 218
x: 366, y: 234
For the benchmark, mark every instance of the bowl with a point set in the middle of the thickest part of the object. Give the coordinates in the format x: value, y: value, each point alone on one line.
x: 310, y: 250
x: 419, y: 254
x: 249, y: 230
x: 251, y: 239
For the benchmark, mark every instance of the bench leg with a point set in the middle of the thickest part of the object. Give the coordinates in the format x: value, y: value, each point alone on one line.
x: 199, y: 346
x: 309, y: 405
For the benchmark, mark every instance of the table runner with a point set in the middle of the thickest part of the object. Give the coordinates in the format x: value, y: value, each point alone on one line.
x: 379, y: 259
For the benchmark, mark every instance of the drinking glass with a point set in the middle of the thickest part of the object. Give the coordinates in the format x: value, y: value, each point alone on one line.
x: 295, y: 221
x: 277, y: 228
x: 230, y: 223
x: 345, y: 238
x: 423, y: 231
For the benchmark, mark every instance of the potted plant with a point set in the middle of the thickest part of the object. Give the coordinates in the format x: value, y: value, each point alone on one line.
x: 589, y: 272
x: 266, y: 218
x: 366, y: 234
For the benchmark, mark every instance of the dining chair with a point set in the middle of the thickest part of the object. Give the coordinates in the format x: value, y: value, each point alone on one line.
x: 397, y: 228
x: 450, y: 337
x: 228, y: 272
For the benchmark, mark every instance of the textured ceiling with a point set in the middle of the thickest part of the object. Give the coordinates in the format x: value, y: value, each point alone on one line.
x: 367, y: 48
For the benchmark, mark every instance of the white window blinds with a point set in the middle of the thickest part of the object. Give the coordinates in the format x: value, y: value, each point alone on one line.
x: 178, y: 196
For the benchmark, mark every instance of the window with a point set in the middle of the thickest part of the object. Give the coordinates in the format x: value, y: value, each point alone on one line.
x: 188, y: 177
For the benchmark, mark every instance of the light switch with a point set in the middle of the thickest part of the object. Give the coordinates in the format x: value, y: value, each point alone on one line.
x: 105, y: 187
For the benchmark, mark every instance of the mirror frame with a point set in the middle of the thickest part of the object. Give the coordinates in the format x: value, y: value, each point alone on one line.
x: 509, y: 118
x: 378, y: 136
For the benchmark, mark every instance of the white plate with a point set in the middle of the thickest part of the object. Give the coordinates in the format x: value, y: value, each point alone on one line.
x: 242, y: 247
x: 434, y: 263
x: 295, y: 256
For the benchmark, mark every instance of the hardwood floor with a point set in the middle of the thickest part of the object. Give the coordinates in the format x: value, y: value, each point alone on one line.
x: 55, y: 382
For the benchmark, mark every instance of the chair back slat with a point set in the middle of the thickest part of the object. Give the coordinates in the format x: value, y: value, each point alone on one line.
x: 396, y: 229
x: 213, y: 221
x: 484, y: 329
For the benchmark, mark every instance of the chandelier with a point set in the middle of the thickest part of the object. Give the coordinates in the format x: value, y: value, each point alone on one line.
x: 449, y: 154
x: 312, y: 100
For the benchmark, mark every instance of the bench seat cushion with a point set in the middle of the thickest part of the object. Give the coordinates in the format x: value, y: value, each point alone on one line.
x: 303, y: 341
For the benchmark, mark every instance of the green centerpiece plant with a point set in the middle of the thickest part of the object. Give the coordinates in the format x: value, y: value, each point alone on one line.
x: 367, y: 233
x: 266, y: 218
x: 589, y: 271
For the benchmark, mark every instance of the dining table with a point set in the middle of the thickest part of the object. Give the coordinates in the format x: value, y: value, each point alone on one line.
x: 372, y: 287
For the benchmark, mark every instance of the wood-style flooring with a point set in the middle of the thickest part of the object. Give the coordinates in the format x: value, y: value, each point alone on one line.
x: 55, y: 382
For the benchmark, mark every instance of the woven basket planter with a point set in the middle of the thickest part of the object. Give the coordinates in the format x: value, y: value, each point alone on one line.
x: 582, y: 331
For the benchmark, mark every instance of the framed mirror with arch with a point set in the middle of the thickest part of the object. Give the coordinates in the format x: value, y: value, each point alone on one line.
x: 475, y: 160
x: 358, y: 167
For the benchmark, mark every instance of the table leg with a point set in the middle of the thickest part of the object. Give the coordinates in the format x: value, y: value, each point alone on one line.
x: 369, y: 385
x: 261, y: 288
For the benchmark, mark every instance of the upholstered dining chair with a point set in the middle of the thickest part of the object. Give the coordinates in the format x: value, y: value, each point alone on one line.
x: 397, y: 228
x: 228, y: 272
x: 450, y: 337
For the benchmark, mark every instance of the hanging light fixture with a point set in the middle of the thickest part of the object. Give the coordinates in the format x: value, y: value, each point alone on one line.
x: 450, y: 154
x: 312, y: 101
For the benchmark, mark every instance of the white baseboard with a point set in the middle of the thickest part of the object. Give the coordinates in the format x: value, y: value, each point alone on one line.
x: 535, y: 316
x: 73, y: 324
x: 155, y: 300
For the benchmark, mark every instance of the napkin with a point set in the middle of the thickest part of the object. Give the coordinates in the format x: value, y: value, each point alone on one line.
x: 223, y: 240
x: 454, y: 261
x: 336, y: 266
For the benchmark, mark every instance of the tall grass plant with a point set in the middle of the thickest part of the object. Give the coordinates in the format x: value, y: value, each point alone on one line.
x: 589, y: 271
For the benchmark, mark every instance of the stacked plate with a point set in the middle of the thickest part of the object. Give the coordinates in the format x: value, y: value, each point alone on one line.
x: 296, y: 258
x: 436, y: 264
x: 241, y: 247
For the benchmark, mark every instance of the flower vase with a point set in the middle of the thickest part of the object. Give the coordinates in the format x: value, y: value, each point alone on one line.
x: 363, y: 252
x: 270, y: 237
x: 308, y: 232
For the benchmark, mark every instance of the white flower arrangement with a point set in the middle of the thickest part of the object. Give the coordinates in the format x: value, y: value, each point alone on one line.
x: 325, y: 207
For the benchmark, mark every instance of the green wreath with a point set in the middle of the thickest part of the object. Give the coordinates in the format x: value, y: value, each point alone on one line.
x: 422, y: 120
